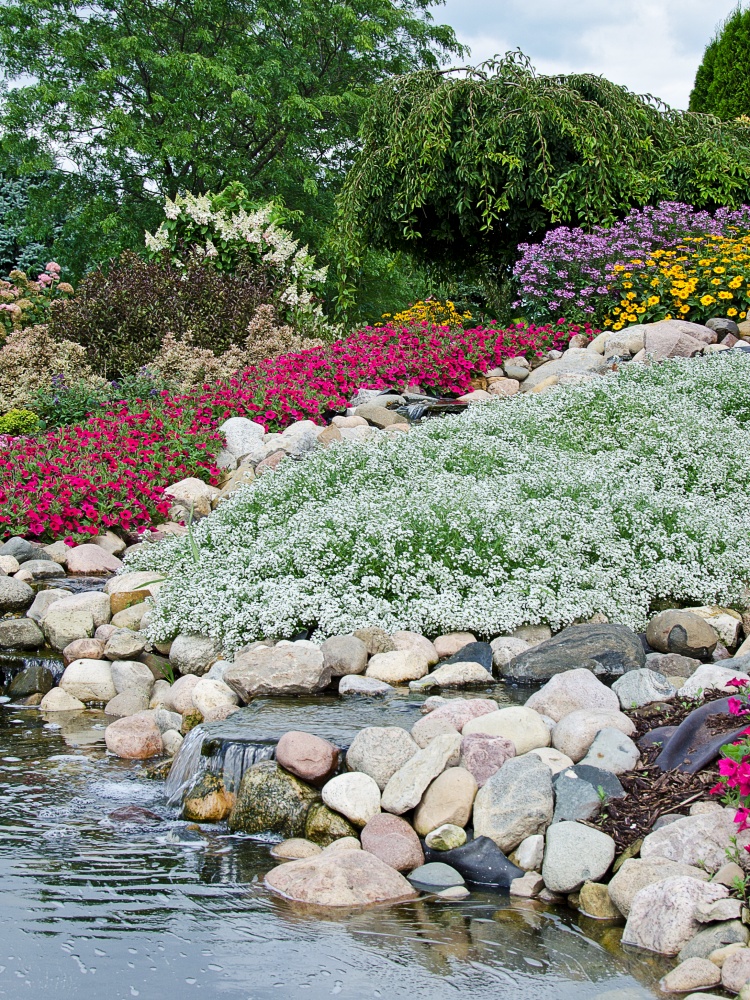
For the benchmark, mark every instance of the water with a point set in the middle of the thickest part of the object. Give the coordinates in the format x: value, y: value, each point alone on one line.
x: 92, y: 907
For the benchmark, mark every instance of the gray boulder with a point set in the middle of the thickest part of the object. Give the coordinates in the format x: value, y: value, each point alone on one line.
x: 15, y: 595
x: 642, y: 687
x: 575, y: 854
x: 380, y: 751
x: 20, y: 633
x: 22, y: 550
x: 194, y: 654
x: 516, y: 802
x: 608, y: 651
x: 576, y: 361
x: 277, y: 670
x: 344, y: 654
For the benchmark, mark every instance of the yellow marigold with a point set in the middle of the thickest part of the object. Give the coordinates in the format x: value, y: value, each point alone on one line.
x: 684, y: 309
x: 707, y: 300
x: 654, y: 300
x: 726, y: 295
x: 731, y: 312
x: 719, y: 270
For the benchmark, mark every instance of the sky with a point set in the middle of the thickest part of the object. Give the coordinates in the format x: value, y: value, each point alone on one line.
x: 650, y: 46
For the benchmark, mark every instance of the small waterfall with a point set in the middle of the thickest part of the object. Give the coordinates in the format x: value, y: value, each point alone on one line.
x: 12, y: 662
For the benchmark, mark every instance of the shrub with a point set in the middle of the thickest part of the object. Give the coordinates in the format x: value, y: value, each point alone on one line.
x: 602, y: 498
x: 572, y: 273
x: 430, y: 311
x: 719, y: 90
x: 18, y: 422
x: 68, y: 402
x: 24, y: 302
x: 29, y: 361
x: 121, y: 315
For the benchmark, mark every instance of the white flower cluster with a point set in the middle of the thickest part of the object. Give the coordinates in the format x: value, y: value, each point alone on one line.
x: 605, y: 496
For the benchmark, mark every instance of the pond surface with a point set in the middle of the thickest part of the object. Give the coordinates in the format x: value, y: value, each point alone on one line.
x: 93, y: 907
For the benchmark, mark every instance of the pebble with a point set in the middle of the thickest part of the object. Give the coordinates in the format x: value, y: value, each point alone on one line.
x: 446, y: 837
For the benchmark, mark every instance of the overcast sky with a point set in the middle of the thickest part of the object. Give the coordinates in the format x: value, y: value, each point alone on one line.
x: 651, y: 46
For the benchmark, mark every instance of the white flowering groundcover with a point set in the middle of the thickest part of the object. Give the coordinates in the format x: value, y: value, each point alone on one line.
x: 605, y: 496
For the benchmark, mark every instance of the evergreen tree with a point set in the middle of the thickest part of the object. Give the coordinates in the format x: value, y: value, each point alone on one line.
x: 722, y: 85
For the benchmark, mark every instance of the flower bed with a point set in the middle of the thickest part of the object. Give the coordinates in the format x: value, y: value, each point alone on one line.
x: 603, y: 498
x: 111, y: 469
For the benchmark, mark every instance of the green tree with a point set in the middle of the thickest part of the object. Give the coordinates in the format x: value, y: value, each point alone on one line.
x: 459, y: 169
x: 160, y: 96
x: 722, y: 87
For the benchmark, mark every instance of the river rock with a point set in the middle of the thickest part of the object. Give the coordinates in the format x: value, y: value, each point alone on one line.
x: 712, y: 677
x: 134, y: 738
x: 483, y: 754
x: 375, y: 639
x: 130, y: 675
x: 681, y: 632
x: 93, y: 601
x: 575, y: 733
x: 446, y: 837
x: 672, y: 664
x: 572, y: 690
x: 448, y: 799
x: 661, y: 916
x: 180, y: 696
x: 34, y: 679
x: 207, y: 800
x: 308, y: 757
x: 324, y: 826
x: 574, y: 361
x: 209, y: 695
x: 380, y: 752
x: 642, y: 687
x: 43, y: 569
x: 523, y: 726
x: 454, y: 675
x: 89, y: 680
x: 693, y: 974
x: 241, y: 435
x: 575, y: 854
x: 58, y: 700
x: 718, y: 935
x: 91, y: 560
x: 344, y: 654
x: 504, y: 649
x: 459, y: 711
x: 406, y: 786
x: 194, y: 654
x: 427, y: 728
x: 125, y: 645
x: 473, y: 652
x: 147, y: 580
x: 594, y: 901
x: 397, y: 667
x: 126, y: 599
x: 22, y: 550
x: 44, y: 601
x: 341, y: 878
x: 553, y: 759
x: 417, y: 643
x: 278, y: 670
x: 450, y: 643
x: 83, y: 649
x: 516, y: 802
x: 695, y: 840
x: 636, y: 873
x: 15, y: 595
x: 608, y: 651
x: 295, y: 849
x: 126, y: 703
x: 575, y: 799
x: 363, y: 687
x: 20, y: 633
x: 391, y: 839
x: 64, y: 625
x: 612, y: 751
x: 435, y: 875
x: 735, y: 972
x: 270, y: 800
x: 530, y: 853
x: 355, y: 795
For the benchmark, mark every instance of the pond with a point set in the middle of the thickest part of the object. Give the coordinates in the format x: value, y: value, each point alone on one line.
x: 95, y: 906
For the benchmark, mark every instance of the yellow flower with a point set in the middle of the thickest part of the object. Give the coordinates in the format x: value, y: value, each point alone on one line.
x: 731, y: 312
x: 719, y: 270
x: 631, y: 317
x: 715, y: 281
x: 726, y: 295
x: 631, y: 296
x: 627, y: 284
x: 707, y: 300
x: 654, y: 300
x: 617, y: 326
x: 684, y: 309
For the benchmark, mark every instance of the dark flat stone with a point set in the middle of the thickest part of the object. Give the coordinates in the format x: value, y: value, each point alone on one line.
x: 607, y: 650
x: 474, y: 652
x: 480, y: 861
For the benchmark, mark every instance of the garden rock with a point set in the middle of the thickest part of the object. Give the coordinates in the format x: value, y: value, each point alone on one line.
x: 636, y: 873
x: 22, y: 550
x: 124, y: 645
x: 436, y: 875
x: 132, y: 617
x: 681, y: 632
x: 130, y: 675
x: 523, y: 726
x: 43, y: 569
x: 179, y: 698
x: 726, y: 623
x: 712, y: 677
x: 672, y: 664
x: 452, y: 642
x: 364, y: 687
x: 308, y: 757
x: 594, y: 901
x: 194, y: 654
x: 379, y: 416
x: 612, y: 751
x: 20, y: 633
x: 483, y: 754
x: 34, y: 679
x: 459, y: 711
x: 504, y: 648
x: 426, y: 729
x: 58, y: 700
x: 723, y: 909
x: 391, y: 839
x: 528, y: 886
x: 15, y: 595
x: 397, y: 666
x: 576, y: 360
x: 417, y: 643
x: 44, y: 601
x: 574, y: 799
x: 89, y: 680
x: 292, y: 669
x: 83, y: 649
x: 454, y: 675
x: 355, y: 795
x: 473, y: 652
x: 380, y: 752
x: 109, y: 541
x: 9, y: 565
x: 91, y: 560
x: 340, y: 878
x: 575, y: 733
x: 608, y: 651
x: 134, y: 738
x: 693, y: 974
x: 446, y: 837
x: 575, y: 854
x: 661, y: 916
x: 193, y: 496
x: 718, y: 935
x: 735, y: 972
x: 344, y: 654
x: 480, y: 862
x: 94, y: 601
x: 324, y: 826
x: 695, y: 840
x: 295, y: 849
x: 126, y: 704
x: 241, y: 435
x: 406, y: 787
x: 515, y: 803
x: 210, y: 694
x: 147, y: 580
x: 208, y: 801
x: 271, y: 800
x: 375, y: 639
x: 553, y: 759
x: 572, y: 690
x: 448, y: 799
x: 642, y: 687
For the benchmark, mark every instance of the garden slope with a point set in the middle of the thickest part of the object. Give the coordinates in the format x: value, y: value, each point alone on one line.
x: 598, y: 497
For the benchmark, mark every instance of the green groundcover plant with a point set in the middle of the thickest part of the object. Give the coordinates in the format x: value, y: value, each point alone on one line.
x: 603, y: 497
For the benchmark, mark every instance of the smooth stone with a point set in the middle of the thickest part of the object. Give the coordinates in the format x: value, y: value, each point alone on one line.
x: 125, y: 645
x: 397, y: 667
x: 574, y: 799
x: 446, y: 837
x: 130, y: 675
x: 695, y: 840
x: 735, y: 972
x: 180, y: 696
x: 126, y: 599
x: 344, y: 655
x: 727, y: 931
x: 295, y: 849
x: 575, y: 733
x: 642, y: 687
x: 355, y: 795
x: 324, y: 826
x: 15, y: 595
x: 43, y: 569
x: 504, y: 648
x: 692, y: 974
x: 554, y: 760
x: 44, y: 601
x: 380, y: 751
x: 364, y: 687
x: 89, y: 680
x: 436, y: 874
x: 720, y: 956
x: 594, y: 901
x: 726, y: 623
x: 95, y: 602
x: 530, y: 853
x: 379, y: 416
x: 406, y: 787
x: 194, y: 654
x: 672, y: 664
x: 241, y: 434
x: 147, y: 580
x: 483, y: 755
x: 712, y: 677
x: 58, y: 700
x: 428, y: 727
x: 575, y: 854
x: 391, y: 839
x: 636, y: 873
x: 515, y: 803
x: 528, y: 886
x: 63, y: 625
x: 459, y: 711
x: 307, y: 756
x: 34, y: 679
x: 277, y: 670
x: 9, y: 565
x: 454, y: 675
x: 572, y: 690
x: 126, y: 703
x: 270, y: 800
x: 194, y: 498
x: 83, y: 649
x: 375, y: 639
x: 109, y: 541
x: 448, y: 799
x: 343, y: 844
x: 340, y: 878
x: 452, y: 642
x: 607, y: 650
x: 681, y: 632
x: 20, y: 633
x: 480, y: 862
x: 91, y: 560
x: 210, y: 694
x: 574, y: 361
x: 207, y: 800
x: 661, y: 916
x: 134, y: 738
x: 728, y: 874
x: 417, y: 643
x: 172, y: 740
x: 522, y: 726
x: 454, y: 892
x: 22, y: 550
x: 612, y: 751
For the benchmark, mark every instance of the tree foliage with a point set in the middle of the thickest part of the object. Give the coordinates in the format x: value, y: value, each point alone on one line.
x: 722, y: 87
x: 460, y: 169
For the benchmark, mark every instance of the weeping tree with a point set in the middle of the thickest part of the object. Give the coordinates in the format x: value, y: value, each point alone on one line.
x: 458, y: 167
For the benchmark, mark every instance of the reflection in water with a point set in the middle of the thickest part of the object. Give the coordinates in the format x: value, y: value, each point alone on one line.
x: 94, y: 907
